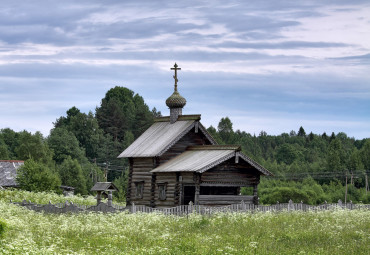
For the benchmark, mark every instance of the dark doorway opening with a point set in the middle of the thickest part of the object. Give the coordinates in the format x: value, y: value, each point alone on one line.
x: 189, y: 194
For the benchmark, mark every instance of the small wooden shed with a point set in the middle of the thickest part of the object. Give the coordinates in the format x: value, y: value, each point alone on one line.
x: 102, y: 188
x: 176, y: 161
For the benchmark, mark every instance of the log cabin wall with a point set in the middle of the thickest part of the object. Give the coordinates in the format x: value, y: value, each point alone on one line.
x: 229, y: 172
x: 129, y: 188
x: 170, y: 181
x: 141, y: 168
x: 187, y: 178
x: 190, y: 139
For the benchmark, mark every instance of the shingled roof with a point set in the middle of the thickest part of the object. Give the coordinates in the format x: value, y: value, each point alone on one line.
x: 158, y: 138
x: 202, y: 158
x: 8, y: 172
x: 104, y: 186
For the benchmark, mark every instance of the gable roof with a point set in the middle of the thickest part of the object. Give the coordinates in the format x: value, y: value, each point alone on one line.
x: 159, y: 137
x: 104, y: 186
x: 8, y: 172
x: 202, y: 158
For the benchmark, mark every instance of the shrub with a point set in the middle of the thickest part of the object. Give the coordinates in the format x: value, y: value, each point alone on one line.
x: 284, y: 194
x: 34, y: 176
x: 2, y: 228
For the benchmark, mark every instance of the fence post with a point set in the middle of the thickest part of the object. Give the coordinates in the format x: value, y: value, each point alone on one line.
x: 191, y: 207
x: 351, y: 204
x: 290, y: 205
x: 133, y: 208
x: 301, y: 205
x: 243, y: 205
x: 109, y: 198
x: 340, y: 204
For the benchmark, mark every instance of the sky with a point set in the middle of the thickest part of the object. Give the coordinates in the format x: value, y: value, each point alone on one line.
x: 267, y: 65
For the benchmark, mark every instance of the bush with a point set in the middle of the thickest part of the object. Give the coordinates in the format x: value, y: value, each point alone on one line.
x: 365, y: 198
x: 34, y: 176
x: 284, y: 194
x: 2, y: 228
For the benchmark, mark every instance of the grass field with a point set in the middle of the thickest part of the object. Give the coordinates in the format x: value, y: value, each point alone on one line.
x: 326, y: 232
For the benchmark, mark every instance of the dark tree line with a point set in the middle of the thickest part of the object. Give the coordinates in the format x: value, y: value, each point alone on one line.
x: 297, y: 158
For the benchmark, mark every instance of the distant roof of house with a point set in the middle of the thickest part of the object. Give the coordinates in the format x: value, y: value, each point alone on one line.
x: 159, y: 137
x: 202, y: 158
x: 67, y: 188
x: 104, y: 186
x: 8, y: 172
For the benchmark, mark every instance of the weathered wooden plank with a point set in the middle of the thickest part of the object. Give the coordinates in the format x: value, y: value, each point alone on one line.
x: 225, y: 197
x: 190, y: 139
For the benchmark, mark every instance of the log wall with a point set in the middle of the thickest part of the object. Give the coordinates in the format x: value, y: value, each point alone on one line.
x: 141, y: 168
x: 230, y: 172
x: 171, y: 192
x: 219, y: 200
x: 187, y: 178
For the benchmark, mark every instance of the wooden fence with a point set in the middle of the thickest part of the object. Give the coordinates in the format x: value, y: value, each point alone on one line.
x: 184, y: 210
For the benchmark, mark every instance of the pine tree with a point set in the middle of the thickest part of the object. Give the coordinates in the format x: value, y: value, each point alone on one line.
x: 301, y: 132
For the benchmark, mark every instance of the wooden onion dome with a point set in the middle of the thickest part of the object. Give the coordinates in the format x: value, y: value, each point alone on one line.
x: 175, y: 102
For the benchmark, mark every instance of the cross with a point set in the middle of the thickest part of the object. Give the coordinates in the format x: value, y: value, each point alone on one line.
x: 175, y: 67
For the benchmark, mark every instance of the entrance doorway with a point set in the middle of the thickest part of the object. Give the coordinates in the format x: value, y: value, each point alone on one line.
x: 189, y: 194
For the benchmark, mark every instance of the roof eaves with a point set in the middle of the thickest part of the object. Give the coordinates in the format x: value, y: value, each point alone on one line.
x: 103, y: 186
x: 180, y: 118
x: 189, y: 117
x: 208, y: 135
x: 217, y: 162
x: 162, y: 119
x: 214, y: 147
x: 255, y: 164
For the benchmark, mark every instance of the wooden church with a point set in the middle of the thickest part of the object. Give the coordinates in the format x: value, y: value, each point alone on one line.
x: 176, y: 161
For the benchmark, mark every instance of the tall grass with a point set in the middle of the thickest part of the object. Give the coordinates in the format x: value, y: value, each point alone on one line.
x: 325, y: 232
x: 43, y: 197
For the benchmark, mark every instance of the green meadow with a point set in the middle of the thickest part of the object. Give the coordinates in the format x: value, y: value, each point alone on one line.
x: 323, y: 232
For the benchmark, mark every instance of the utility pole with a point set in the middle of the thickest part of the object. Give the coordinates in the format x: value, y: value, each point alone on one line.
x: 345, y: 196
x: 106, y: 172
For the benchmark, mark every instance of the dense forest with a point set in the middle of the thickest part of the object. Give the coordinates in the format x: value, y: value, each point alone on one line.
x: 83, y: 148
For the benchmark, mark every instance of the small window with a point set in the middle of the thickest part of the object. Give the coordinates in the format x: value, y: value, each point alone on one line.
x: 139, y: 189
x: 162, y: 189
x: 8, y: 175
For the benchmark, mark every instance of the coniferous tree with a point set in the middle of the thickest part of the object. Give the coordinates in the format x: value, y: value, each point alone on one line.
x: 225, y: 130
x: 122, y: 111
x: 301, y: 132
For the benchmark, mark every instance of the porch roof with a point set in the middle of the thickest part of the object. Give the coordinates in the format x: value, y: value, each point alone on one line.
x: 202, y: 158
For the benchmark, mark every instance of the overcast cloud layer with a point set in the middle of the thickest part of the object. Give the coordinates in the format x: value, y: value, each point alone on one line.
x: 268, y: 65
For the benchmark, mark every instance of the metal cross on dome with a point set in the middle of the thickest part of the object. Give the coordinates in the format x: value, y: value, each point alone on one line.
x: 175, y: 67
